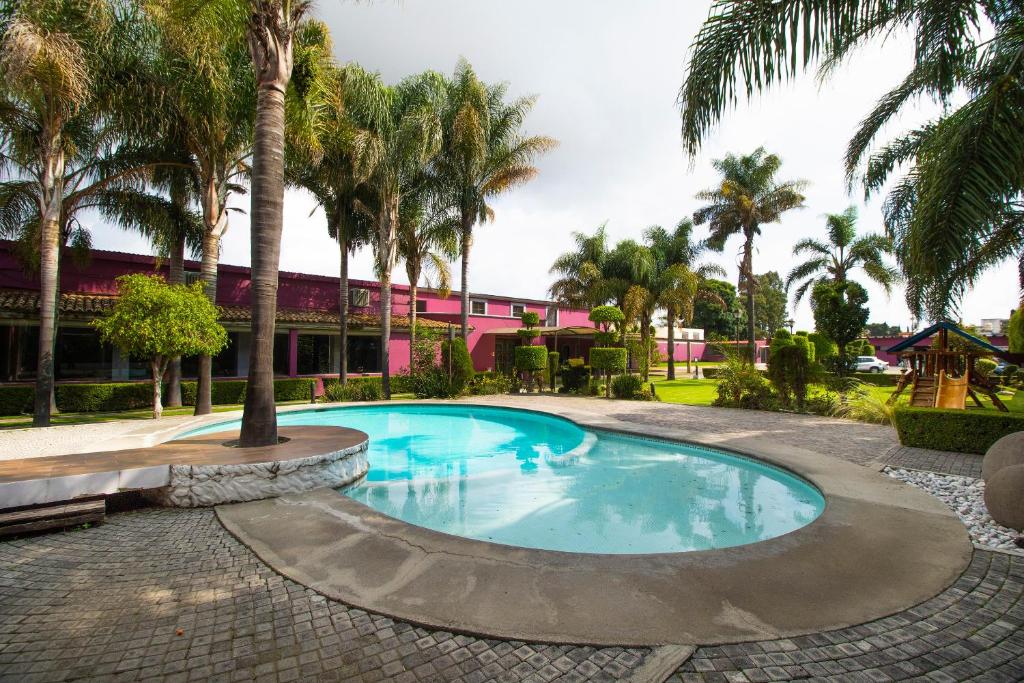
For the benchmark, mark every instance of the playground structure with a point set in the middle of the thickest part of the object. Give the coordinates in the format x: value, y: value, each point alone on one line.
x: 943, y: 377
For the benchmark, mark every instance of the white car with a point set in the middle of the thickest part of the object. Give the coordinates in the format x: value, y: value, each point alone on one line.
x: 870, y: 364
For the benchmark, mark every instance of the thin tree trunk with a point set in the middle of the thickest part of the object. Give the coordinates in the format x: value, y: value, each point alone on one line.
x: 467, y: 243
x: 176, y: 276
x: 157, y: 370
x: 412, y: 320
x: 259, y: 419
x: 208, y: 273
x: 748, y: 267
x: 49, y: 258
x: 671, y: 322
x: 387, y: 230
x: 343, y: 305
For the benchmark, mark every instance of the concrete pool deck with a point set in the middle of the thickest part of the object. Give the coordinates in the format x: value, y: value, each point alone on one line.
x: 878, y: 548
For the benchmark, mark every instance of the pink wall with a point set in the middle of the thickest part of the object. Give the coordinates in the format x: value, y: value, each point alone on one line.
x: 696, y: 350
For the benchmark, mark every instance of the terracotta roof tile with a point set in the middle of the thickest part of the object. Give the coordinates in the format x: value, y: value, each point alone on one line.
x: 90, y: 305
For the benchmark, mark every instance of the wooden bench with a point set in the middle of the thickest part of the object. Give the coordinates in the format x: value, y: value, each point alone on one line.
x: 52, y: 516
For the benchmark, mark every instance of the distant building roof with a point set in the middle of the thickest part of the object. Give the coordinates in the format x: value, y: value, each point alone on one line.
x: 926, y: 333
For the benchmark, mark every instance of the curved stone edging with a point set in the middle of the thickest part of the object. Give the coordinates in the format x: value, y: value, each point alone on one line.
x: 879, y: 547
x: 206, y: 485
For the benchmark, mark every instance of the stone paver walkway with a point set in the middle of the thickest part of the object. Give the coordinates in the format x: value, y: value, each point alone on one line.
x: 944, y: 462
x: 971, y: 631
x: 107, y: 603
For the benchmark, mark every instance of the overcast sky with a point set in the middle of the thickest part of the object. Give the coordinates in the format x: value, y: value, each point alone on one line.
x: 607, y: 74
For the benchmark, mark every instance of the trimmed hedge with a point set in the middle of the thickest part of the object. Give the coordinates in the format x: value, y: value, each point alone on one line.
x: 112, y: 396
x: 531, y: 358
x: 232, y: 391
x: 16, y: 400
x: 608, y: 358
x: 963, y: 431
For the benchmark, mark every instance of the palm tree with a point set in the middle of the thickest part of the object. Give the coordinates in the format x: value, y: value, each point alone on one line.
x: 580, y: 282
x: 427, y: 241
x: 64, y: 147
x: 331, y: 177
x: 485, y: 154
x: 957, y: 212
x: 399, y: 135
x: 202, y: 71
x: 843, y: 252
x: 748, y: 197
x: 680, y: 282
x: 278, y: 38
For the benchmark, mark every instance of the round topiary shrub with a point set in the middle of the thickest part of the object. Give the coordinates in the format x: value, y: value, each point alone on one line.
x: 610, y: 360
x: 630, y: 388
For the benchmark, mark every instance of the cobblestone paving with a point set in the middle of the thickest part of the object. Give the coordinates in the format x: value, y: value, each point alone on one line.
x: 960, y: 464
x: 974, y: 630
x: 107, y: 603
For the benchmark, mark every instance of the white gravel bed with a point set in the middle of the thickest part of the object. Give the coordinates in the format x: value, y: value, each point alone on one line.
x: 965, y: 496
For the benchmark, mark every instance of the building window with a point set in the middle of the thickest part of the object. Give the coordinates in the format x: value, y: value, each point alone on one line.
x: 81, y: 355
x: 358, y: 297
x: 551, y: 316
x: 363, y: 354
x: 478, y: 307
x: 281, y: 354
x: 224, y: 364
x: 314, y: 354
x: 421, y: 305
x: 518, y: 310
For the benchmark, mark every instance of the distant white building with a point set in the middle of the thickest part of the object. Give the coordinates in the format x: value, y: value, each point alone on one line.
x: 682, y: 334
x: 993, y: 326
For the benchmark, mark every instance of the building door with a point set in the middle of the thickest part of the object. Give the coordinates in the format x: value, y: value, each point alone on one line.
x: 504, y: 355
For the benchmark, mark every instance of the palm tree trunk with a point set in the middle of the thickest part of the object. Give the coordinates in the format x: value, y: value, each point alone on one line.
x: 467, y: 243
x: 387, y: 227
x: 670, y: 320
x: 343, y: 304
x: 259, y: 419
x: 176, y: 276
x: 208, y: 273
x: 412, y: 321
x: 49, y: 259
x: 748, y: 270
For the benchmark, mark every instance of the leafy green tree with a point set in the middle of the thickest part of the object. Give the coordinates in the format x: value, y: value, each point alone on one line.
x: 957, y: 212
x: 159, y: 322
x: 769, y: 304
x: 748, y: 197
x: 713, y: 315
x: 580, y: 282
x: 1015, y: 331
x: 608, y: 319
x: 840, y: 313
x: 882, y: 330
x: 843, y: 252
x: 485, y: 154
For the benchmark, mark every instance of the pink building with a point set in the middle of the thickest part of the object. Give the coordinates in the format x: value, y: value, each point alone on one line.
x: 308, y: 322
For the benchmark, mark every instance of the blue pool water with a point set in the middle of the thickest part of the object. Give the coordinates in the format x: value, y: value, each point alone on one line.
x: 528, y: 479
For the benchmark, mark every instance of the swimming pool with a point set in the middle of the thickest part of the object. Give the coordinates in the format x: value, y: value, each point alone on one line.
x: 534, y: 480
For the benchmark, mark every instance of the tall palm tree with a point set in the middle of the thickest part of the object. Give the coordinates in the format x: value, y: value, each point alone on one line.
x: 843, y: 252
x: 427, y: 241
x: 957, y: 212
x: 681, y: 281
x: 485, y: 154
x: 399, y: 135
x: 580, y: 282
x: 278, y: 39
x: 331, y: 177
x: 748, y: 197
x: 62, y: 148
x: 630, y: 277
x: 202, y: 72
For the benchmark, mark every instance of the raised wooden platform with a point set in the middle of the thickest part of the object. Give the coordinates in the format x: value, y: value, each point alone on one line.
x: 32, y: 481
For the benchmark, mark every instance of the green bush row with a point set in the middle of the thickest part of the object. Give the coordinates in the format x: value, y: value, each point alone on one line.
x: 963, y: 431
x: 117, y: 396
